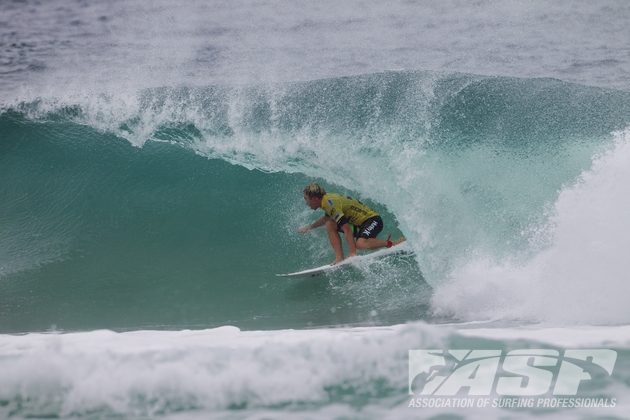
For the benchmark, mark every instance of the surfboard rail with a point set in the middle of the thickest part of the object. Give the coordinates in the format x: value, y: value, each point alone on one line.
x: 403, y: 248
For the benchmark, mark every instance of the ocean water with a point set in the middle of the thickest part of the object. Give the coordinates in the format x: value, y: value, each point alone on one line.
x: 152, y: 157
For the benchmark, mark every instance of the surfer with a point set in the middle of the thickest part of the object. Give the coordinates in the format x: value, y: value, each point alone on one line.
x: 359, y: 224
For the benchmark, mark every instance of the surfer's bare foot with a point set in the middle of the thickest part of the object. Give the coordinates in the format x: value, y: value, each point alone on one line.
x: 337, y: 261
x: 391, y: 243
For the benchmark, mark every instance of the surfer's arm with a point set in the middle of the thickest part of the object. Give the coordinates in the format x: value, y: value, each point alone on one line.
x: 317, y: 223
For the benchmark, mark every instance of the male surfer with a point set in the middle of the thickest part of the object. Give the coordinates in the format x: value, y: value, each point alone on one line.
x: 359, y: 223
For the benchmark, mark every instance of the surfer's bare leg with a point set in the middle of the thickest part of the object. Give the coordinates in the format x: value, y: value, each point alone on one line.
x: 335, y: 241
x: 373, y: 243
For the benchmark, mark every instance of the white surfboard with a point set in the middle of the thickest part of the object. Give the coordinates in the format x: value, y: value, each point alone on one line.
x: 403, y: 248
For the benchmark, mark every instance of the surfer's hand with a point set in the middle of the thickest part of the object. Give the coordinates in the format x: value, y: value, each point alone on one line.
x: 304, y: 229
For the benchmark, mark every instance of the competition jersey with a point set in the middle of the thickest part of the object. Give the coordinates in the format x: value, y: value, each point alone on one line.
x: 339, y: 207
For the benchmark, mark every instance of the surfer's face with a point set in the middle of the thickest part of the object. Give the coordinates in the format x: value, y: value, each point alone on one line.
x: 312, y: 202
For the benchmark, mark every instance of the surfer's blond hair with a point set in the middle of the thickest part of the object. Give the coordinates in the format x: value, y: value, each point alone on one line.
x: 314, y: 190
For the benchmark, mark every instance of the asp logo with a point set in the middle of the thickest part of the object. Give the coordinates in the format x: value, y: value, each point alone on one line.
x: 525, y: 372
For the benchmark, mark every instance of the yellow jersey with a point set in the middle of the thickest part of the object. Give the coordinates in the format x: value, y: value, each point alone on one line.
x: 339, y: 207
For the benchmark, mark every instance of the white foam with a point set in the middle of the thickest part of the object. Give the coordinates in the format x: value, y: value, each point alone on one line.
x: 147, y: 373
x: 580, y: 277
x: 571, y: 337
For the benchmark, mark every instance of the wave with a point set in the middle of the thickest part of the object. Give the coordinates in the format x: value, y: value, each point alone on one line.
x: 224, y: 372
x: 465, y: 166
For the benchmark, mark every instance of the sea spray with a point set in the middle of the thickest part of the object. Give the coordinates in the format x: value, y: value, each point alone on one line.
x: 578, y: 276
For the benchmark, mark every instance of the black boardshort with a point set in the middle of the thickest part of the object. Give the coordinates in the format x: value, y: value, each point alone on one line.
x: 369, y: 229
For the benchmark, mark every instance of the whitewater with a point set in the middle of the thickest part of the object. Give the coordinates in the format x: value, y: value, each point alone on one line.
x: 152, y: 158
